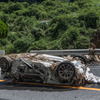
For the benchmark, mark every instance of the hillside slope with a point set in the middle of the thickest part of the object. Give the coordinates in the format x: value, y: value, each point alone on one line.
x: 51, y: 24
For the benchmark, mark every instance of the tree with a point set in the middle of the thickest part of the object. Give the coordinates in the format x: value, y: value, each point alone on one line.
x: 3, y: 29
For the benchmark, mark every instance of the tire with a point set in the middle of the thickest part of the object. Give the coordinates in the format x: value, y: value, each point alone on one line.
x: 65, y: 71
x: 5, y: 64
x: 82, y: 58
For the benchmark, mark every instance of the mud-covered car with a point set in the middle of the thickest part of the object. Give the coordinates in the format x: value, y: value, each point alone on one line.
x: 43, y: 68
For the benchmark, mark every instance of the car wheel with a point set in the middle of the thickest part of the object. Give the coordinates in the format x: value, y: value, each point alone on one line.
x: 82, y: 58
x: 5, y: 64
x: 65, y: 71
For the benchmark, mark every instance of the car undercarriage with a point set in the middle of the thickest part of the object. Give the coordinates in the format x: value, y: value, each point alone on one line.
x: 44, y: 68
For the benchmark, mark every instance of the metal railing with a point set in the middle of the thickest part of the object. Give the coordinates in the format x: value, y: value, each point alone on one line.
x: 2, y: 52
x: 64, y: 52
x: 68, y: 52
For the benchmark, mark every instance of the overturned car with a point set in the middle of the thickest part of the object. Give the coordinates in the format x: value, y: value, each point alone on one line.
x: 46, y: 69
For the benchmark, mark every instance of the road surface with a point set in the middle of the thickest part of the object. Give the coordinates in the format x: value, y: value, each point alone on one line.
x: 21, y: 91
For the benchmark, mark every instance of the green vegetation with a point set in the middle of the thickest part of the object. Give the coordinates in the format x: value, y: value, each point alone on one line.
x: 50, y: 24
x: 3, y: 29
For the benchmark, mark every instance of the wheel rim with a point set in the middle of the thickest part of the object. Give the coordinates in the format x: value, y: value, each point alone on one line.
x: 4, y: 64
x: 66, y: 71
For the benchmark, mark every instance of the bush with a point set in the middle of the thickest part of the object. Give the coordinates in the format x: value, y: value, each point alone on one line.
x: 3, y: 29
x: 69, y: 37
x: 38, y: 33
x: 3, y: 42
x: 4, y: 17
x: 55, y: 45
x: 9, y: 49
x: 21, y: 45
x: 26, y: 4
x: 60, y: 24
x: 12, y: 37
x: 82, y: 42
x: 43, y: 24
x: 82, y: 3
x: 24, y: 24
x: 72, y: 7
x: 2, y: 6
x: 57, y: 24
x: 39, y: 45
x: 32, y: 12
x: 52, y: 24
x: 90, y: 18
x: 48, y: 3
x: 13, y: 7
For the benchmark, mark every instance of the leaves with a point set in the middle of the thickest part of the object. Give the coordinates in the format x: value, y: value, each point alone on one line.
x: 3, y: 29
x: 48, y: 24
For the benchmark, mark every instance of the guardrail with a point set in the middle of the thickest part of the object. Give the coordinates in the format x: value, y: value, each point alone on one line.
x: 2, y: 52
x: 68, y: 52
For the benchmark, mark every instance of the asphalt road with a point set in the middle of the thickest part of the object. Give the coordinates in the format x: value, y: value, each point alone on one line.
x: 15, y: 91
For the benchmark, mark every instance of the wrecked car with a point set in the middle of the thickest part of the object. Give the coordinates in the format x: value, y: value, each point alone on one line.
x: 46, y: 69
